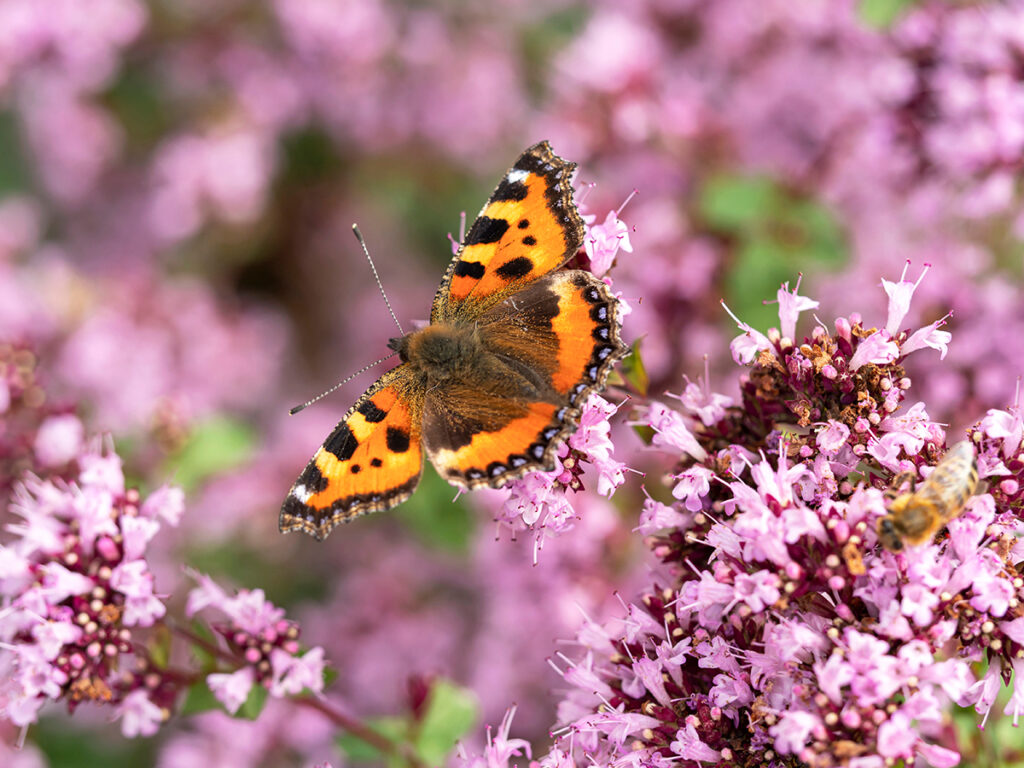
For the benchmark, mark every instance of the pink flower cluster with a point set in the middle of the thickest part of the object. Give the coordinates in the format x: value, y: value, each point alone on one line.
x: 77, y: 587
x: 263, y: 643
x: 538, y: 501
x: 777, y: 627
x: 82, y: 621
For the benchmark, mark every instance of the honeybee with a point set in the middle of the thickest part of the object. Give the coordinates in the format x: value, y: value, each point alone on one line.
x: 916, y: 516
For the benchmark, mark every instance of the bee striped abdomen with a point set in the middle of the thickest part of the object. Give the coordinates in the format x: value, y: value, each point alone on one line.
x: 915, y: 517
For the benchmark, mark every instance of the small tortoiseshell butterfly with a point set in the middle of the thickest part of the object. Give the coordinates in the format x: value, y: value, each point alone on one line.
x: 496, y: 381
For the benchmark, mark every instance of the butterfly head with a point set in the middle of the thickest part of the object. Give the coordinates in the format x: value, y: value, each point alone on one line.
x: 440, y: 351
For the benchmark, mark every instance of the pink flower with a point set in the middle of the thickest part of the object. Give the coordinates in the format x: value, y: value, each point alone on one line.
x: 877, y: 348
x: 793, y: 730
x: 694, y: 484
x: 500, y: 749
x: 758, y: 590
x: 59, y: 440
x: 656, y: 516
x: 896, y: 738
x: 292, y: 674
x: 746, y: 346
x: 603, y: 241
x: 790, y: 307
x: 139, y: 715
x: 672, y: 431
x: 708, y: 406
x: 688, y: 745
x: 167, y: 503
x: 900, y: 295
x: 929, y: 336
x: 232, y: 689
x: 833, y: 437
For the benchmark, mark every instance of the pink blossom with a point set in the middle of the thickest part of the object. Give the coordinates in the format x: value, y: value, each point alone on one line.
x: 746, y: 346
x: 693, y: 486
x: 59, y: 440
x: 500, y: 749
x: 688, y: 745
x: 708, y: 406
x: 672, y: 431
x: 900, y: 295
x: 833, y: 437
x: 877, y: 348
x: 232, y: 689
x: 656, y: 516
x: 790, y: 307
x: 292, y: 674
x: 1005, y: 426
x: 603, y: 242
x: 929, y: 336
x: 793, y: 730
x: 896, y: 738
x: 759, y: 590
x: 166, y: 502
x: 139, y: 715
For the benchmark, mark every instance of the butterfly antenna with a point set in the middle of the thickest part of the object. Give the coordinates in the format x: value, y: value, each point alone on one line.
x: 322, y: 395
x: 359, y: 237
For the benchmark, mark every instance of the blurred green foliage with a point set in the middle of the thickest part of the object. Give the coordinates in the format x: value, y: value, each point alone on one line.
x: 215, y: 446
x: 450, y: 713
x: 434, y: 517
x: 67, y: 745
x: 882, y: 14
x: 14, y: 173
x: 775, y: 235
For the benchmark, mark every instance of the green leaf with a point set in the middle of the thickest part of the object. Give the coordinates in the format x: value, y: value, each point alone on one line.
x: 199, y: 699
x: 736, y: 202
x: 435, y: 518
x: 206, y: 660
x: 633, y: 370
x: 254, y: 703
x: 775, y: 234
x: 70, y: 744
x: 136, y: 101
x: 215, y: 446
x: 14, y: 173
x: 882, y: 14
x: 159, y: 647
x: 395, y: 729
x: 451, y: 712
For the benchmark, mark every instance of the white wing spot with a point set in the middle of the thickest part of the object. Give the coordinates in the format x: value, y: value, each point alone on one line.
x: 517, y: 175
x: 301, y: 493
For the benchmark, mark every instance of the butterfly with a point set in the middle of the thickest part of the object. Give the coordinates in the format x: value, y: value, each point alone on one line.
x: 497, y: 380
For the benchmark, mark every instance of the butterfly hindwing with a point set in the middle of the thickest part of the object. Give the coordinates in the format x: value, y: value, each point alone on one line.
x: 577, y: 313
x: 550, y: 345
x: 529, y: 227
x: 370, y: 462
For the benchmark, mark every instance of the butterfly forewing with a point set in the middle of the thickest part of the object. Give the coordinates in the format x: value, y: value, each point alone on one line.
x: 529, y: 227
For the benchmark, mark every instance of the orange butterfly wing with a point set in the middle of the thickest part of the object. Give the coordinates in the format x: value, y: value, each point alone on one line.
x: 552, y: 344
x: 370, y: 462
x: 547, y: 340
x: 529, y: 227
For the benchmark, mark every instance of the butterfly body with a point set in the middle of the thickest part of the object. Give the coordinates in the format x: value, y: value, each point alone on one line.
x: 496, y: 381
